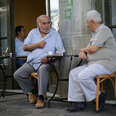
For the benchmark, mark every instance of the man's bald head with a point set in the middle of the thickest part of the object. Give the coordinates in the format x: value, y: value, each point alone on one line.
x: 39, y: 18
x: 44, y: 24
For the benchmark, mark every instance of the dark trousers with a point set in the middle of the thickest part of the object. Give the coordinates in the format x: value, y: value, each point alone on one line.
x: 19, y: 63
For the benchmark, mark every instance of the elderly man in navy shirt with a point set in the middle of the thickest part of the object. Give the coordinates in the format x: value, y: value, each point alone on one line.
x: 39, y: 42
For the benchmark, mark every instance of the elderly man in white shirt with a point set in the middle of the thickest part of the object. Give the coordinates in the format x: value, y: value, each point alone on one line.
x: 39, y: 41
x: 101, y: 60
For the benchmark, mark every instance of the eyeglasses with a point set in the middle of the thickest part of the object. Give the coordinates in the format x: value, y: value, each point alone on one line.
x: 44, y: 23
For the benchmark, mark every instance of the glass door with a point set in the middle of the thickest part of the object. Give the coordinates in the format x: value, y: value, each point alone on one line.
x: 110, y: 14
x: 3, y: 26
x: 52, y: 7
x: 7, y: 35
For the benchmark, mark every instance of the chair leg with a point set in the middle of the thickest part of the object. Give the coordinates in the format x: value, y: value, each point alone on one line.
x: 97, y: 94
x: 101, y: 87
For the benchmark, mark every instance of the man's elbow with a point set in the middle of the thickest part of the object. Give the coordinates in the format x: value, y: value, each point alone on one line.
x: 92, y: 49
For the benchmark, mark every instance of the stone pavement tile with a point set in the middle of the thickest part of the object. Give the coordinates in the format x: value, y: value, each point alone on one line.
x: 17, y: 105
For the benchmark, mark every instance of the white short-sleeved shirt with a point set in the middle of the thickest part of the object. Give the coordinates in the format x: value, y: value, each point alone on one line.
x: 53, y: 44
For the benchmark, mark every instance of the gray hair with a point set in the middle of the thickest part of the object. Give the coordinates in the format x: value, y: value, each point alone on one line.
x: 39, y: 18
x: 94, y: 15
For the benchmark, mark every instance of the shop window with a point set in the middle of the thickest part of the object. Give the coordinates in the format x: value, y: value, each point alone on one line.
x: 3, y: 27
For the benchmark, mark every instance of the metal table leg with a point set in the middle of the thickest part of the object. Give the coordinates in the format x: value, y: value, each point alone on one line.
x: 57, y: 80
x: 2, y: 68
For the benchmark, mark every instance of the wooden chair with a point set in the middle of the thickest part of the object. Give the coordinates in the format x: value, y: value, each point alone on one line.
x: 100, y: 79
x: 54, y: 74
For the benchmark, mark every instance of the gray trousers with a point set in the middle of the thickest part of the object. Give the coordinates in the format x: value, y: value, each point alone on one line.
x: 22, y: 78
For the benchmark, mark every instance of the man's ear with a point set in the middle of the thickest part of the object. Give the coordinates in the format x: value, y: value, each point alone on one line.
x: 93, y: 22
x: 38, y: 25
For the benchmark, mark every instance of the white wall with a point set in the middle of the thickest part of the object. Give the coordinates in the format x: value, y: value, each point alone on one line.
x: 114, y: 16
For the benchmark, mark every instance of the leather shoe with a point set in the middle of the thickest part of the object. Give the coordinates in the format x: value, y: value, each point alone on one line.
x: 101, y: 102
x: 76, y: 107
x: 32, y: 98
x: 39, y: 104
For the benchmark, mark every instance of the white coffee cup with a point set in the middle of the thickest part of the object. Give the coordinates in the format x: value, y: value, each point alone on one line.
x: 50, y: 53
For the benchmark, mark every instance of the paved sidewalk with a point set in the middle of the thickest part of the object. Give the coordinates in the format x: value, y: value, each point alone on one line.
x: 17, y: 105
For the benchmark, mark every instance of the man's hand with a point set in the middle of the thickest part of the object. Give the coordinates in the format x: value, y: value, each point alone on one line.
x: 41, y: 44
x: 82, y: 55
x: 85, y: 50
x: 56, y: 54
x: 44, y: 60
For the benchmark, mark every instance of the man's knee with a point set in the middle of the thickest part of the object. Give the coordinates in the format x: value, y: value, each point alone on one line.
x: 15, y: 75
x: 43, y: 67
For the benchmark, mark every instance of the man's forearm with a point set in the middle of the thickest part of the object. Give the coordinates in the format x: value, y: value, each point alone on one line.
x: 31, y: 47
x: 28, y: 47
x: 92, y: 49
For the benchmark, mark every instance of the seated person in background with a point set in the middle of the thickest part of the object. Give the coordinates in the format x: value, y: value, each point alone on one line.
x: 19, y: 43
x: 101, y: 60
x: 39, y: 41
